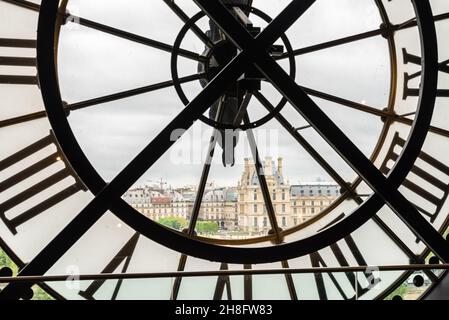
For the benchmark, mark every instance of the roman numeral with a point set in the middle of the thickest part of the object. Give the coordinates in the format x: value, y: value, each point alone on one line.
x: 318, y: 261
x: 39, y: 166
x: 223, y: 283
x: 413, y: 59
x: 123, y: 256
x: 433, y: 201
x: 18, y: 62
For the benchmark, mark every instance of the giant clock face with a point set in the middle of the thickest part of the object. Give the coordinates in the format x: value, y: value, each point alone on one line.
x: 93, y: 101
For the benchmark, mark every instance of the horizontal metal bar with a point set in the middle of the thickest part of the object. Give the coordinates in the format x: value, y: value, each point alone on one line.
x: 193, y: 274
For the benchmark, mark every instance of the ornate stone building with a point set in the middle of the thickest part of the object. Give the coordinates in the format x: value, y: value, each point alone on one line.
x: 240, y: 208
x: 220, y: 205
x: 311, y: 198
x: 292, y: 204
x: 251, y: 206
x: 156, y: 204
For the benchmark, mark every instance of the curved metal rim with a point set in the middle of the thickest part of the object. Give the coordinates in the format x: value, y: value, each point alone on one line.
x: 354, y: 184
x: 193, y: 247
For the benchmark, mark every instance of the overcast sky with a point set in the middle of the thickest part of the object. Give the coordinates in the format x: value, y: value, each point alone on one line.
x: 93, y: 64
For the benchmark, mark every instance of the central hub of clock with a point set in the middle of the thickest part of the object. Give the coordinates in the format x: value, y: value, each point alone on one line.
x: 225, y: 110
x: 217, y: 58
x: 230, y: 110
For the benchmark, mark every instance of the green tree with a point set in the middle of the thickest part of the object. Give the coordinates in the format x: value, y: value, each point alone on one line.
x: 177, y: 223
x: 208, y: 227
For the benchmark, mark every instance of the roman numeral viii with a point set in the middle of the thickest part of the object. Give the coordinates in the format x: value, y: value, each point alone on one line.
x: 413, y: 59
x: 29, y: 62
x: 36, y: 167
x: 123, y: 256
x: 358, y: 290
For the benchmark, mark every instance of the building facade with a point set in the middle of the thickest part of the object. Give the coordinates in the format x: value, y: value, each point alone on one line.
x: 253, y: 215
x: 293, y: 204
x: 240, y: 208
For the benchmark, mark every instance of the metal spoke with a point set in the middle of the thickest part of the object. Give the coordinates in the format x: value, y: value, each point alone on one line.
x: 206, y: 170
x: 304, y: 143
x: 177, y: 281
x: 268, y: 203
x: 357, y: 37
x: 346, y: 103
x: 223, y: 283
x: 333, y: 43
x: 243, y: 109
x: 371, y: 110
x: 24, y: 4
x: 199, y: 196
x: 22, y: 119
x: 131, y: 93
x: 412, y: 22
x: 134, y: 37
x: 185, y: 18
x: 433, y: 129
x: 101, y: 100
x: 262, y: 181
x: 290, y: 282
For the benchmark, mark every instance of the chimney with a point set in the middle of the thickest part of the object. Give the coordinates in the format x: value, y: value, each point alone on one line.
x: 246, y: 165
x: 268, y: 166
x: 246, y: 172
x: 280, y: 166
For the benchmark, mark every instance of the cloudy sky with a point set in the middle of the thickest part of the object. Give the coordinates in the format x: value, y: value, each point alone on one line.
x: 94, y: 64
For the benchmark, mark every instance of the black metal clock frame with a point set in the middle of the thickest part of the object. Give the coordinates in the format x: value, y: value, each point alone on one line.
x: 253, y: 50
